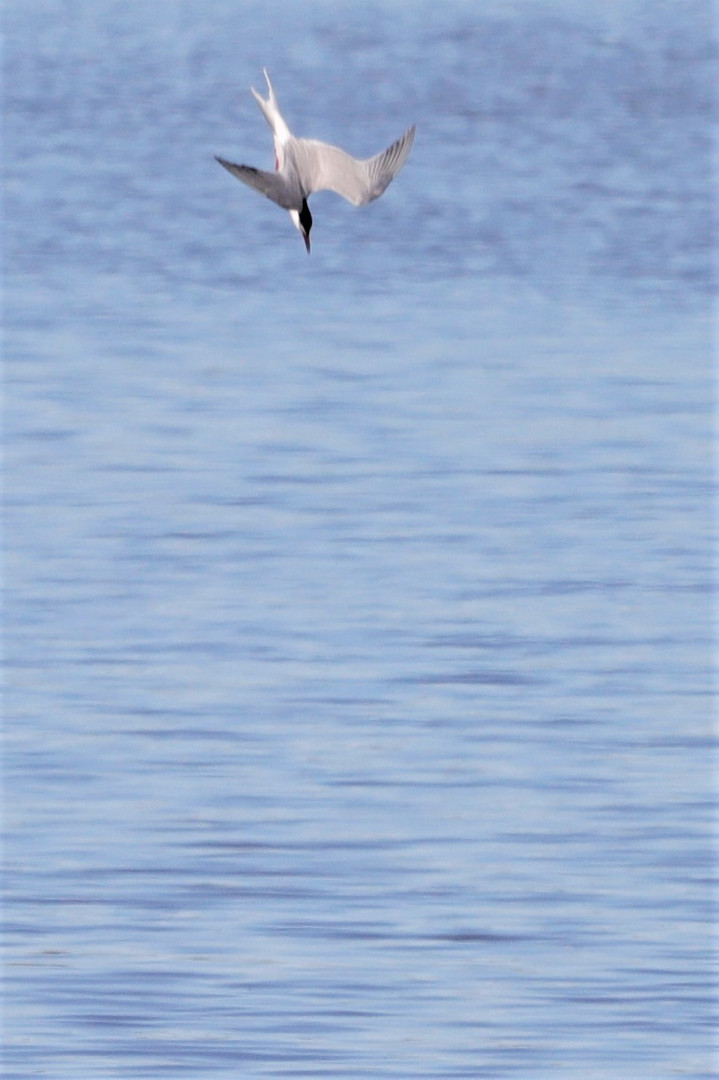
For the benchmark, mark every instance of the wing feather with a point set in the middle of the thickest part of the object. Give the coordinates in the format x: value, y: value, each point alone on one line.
x: 328, y: 168
x: 269, y: 184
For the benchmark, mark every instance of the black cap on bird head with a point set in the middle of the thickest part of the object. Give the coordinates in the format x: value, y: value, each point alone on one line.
x: 306, y: 223
x: 303, y: 221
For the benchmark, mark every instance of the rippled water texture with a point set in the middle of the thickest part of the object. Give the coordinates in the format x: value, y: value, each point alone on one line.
x: 359, y: 716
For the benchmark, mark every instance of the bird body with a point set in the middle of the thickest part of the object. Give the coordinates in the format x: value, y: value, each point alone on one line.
x: 303, y: 166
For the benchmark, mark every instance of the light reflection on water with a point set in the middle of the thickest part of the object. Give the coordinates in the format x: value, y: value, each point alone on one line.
x: 359, y: 607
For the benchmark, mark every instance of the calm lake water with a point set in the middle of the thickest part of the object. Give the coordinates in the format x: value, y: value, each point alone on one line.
x: 359, y: 707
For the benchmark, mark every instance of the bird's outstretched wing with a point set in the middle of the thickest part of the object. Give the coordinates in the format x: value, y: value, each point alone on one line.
x: 269, y: 184
x: 328, y: 168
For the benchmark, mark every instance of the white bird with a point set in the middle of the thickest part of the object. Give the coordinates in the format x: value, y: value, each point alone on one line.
x: 306, y: 165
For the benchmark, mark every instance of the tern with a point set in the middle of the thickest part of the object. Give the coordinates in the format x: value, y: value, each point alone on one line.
x: 303, y: 166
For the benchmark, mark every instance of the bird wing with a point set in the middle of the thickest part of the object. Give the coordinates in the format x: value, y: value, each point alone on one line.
x: 270, y: 184
x: 322, y: 167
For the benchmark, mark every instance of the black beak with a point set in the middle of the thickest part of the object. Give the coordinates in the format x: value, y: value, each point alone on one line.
x: 306, y: 238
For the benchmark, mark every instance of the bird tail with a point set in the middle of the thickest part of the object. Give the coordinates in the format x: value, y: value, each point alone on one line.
x: 271, y: 111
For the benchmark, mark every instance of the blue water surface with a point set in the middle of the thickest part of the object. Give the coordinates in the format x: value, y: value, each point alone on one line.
x: 359, y: 708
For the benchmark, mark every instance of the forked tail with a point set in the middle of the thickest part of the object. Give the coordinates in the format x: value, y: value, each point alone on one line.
x: 271, y: 112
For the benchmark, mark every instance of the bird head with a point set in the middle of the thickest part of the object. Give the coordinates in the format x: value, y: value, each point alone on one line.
x: 302, y: 220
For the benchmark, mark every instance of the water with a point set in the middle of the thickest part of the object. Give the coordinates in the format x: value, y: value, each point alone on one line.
x: 359, y: 715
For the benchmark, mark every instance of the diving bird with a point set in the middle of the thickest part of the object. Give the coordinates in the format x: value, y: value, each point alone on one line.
x: 303, y: 166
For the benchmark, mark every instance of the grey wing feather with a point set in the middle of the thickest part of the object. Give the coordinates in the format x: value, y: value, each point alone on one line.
x: 324, y: 167
x: 383, y: 167
x: 269, y: 184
